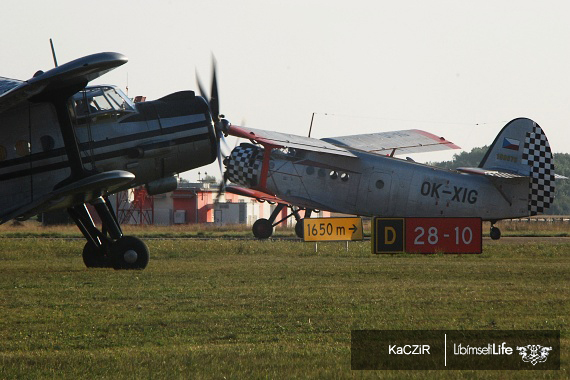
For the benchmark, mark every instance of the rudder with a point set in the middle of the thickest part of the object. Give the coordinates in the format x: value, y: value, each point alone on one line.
x: 522, y: 148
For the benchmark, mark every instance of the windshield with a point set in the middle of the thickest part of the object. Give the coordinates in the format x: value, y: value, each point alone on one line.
x: 101, y: 100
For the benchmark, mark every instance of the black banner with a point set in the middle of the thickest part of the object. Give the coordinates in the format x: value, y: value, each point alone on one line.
x: 455, y: 349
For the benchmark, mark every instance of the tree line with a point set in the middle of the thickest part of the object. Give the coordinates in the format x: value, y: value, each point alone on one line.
x: 561, y: 205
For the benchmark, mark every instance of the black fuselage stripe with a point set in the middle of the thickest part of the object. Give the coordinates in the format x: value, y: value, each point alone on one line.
x: 97, y: 157
x: 86, y: 146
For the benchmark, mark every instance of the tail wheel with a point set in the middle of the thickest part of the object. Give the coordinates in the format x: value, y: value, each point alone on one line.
x: 262, y: 229
x: 129, y: 252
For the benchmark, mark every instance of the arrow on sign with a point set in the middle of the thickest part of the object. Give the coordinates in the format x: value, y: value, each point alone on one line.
x: 353, y: 228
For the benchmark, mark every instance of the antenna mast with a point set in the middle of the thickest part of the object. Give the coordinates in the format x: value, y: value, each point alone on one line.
x: 53, y: 52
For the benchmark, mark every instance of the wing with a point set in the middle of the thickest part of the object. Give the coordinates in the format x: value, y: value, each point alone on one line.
x: 389, y: 143
x: 283, y: 140
x: 70, y: 77
x: 396, y: 142
x: 81, y: 191
x: 260, y: 195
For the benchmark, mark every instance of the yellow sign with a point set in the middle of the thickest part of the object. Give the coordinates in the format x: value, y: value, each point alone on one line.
x: 332, y: 229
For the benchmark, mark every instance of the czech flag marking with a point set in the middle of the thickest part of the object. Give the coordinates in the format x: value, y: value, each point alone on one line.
x: 511, y: 144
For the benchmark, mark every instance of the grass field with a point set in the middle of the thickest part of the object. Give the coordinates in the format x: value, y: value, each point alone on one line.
x: 250, y: 309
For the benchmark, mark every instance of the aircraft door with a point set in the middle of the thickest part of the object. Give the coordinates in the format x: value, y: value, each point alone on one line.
x: 379, y: 200
x: 46, y: 145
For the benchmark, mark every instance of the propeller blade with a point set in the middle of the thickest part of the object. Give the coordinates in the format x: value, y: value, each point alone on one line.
x: 225, y: 143
x: 214, y: 101
x: 200, y: 87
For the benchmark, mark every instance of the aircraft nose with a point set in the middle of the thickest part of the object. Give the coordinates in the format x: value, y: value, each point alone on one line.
x: 244, y: 164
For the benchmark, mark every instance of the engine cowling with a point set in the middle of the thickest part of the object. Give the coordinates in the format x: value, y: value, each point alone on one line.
x: 243, y: 165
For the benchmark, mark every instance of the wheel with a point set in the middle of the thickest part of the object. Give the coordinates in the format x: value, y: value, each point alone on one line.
x: 262, y: 229
x: 129, y: 252
x: 94, y: 257
x: 300, y: 229
x: 495, y: 233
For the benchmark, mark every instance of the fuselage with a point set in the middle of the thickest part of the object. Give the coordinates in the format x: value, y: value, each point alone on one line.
x: 372, y: 185
x: 152, y: 140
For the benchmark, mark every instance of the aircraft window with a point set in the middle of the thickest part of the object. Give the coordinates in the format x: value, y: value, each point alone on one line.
x: 379, y: 184
x: 3, y: 153
x: 333, y: 174
x: 310, y: 170
x: 22, y: 148
x: 344, y: 177
x: 48, y: 143
x: 103, y: 100
x: 100, y: 103
x: 119, y: 99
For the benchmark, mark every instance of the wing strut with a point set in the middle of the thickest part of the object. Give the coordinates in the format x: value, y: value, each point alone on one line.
x: 69, y: 141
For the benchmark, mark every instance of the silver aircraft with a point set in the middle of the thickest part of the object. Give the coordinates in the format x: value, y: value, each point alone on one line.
x: 360, y: 175
x: 66, y: 145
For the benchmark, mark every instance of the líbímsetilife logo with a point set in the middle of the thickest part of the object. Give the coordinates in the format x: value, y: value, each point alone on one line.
x: 534, y: 353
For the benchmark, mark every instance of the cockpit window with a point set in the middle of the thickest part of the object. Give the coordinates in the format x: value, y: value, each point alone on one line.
x: 101, y: 100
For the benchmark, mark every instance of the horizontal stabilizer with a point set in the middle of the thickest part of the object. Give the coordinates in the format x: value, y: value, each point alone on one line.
x: 490, y: 173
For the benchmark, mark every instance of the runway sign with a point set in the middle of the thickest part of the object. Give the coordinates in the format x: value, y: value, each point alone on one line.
x: 332, y: 229
x: 427, y: 235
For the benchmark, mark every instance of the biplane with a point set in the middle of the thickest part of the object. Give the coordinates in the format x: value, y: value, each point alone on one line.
x: 66, y: 145
x: 362, y: 175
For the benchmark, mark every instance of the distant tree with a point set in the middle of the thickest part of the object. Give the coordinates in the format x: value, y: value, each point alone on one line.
x: 561, y: 205
x: 209, y: 179
x: 463, y: 159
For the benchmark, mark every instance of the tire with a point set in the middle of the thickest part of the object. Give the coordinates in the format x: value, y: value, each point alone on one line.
x: 495, y: 233
x: 300, y: 229
x: 262, y: 229
x: 94, y: 257
x: 129, y: 252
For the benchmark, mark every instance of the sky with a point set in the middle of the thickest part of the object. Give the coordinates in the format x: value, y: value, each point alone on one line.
x: 458, y: 69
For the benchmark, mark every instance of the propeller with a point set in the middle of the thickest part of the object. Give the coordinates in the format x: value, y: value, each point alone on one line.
x: 221, y: 124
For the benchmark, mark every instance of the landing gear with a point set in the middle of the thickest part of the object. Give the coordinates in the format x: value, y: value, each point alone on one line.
x: 300, y: 225
x: 300, y: 229
x: 263, y: 228
x: 94, y: 257
x: 495, y: 233
x: 129, y: 252
x: 108, y: 248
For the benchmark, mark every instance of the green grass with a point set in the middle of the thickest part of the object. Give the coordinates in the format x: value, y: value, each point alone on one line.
x: 250, y: 309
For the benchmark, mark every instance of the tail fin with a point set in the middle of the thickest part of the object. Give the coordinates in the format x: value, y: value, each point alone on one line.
x: 522, y: 148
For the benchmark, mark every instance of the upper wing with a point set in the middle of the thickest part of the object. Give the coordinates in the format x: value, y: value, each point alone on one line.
x: 71, y: 76
x: 396, y: 142
x: 282, y: 140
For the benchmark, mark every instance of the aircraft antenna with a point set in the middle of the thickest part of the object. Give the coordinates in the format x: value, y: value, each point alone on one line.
x: 311, y: 126
x: 53, y: 52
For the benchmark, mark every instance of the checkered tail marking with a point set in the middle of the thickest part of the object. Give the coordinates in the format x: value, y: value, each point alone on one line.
x: 244, y: 165
x: 537, y: 155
